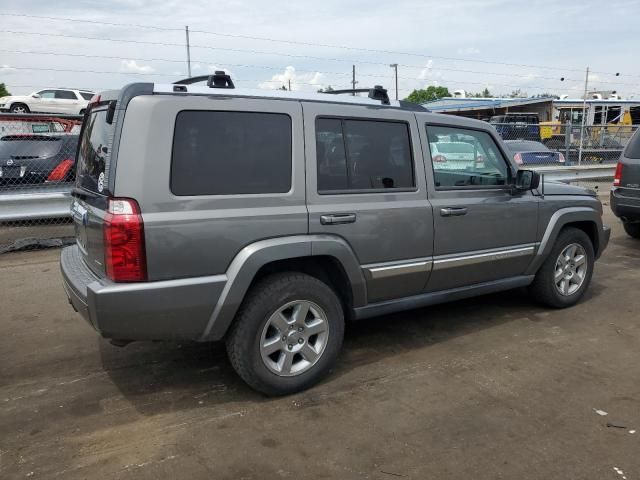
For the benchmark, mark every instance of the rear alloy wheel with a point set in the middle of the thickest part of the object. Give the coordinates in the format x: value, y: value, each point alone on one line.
x: 632, y: 229
x: 19, y: 108
x: 566, y: 273
x: 287, y: 334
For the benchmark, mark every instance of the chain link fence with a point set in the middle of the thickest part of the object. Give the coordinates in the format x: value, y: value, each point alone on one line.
x: 37, y: 170
x: 571, y: 145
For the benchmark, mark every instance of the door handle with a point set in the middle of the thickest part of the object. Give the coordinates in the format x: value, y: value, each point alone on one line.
x: 453, y: 211
x: 338, y: 219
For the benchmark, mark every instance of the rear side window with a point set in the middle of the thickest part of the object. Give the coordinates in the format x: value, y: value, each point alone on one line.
x: 226, y: 153
x: 93, y: 152
x: 86, y: 95
x: 65, y: 95
x: 633, y: 148
x: 363, y: 155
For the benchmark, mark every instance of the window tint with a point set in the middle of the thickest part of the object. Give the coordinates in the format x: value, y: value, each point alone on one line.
x: 93, y: 151
x: 65, y: 95
x: 363, y: 155
x: 225, y: 153
x: 47, y: 94
x: 633, y: 147
x: 86, y: 95
x: 465, y: 158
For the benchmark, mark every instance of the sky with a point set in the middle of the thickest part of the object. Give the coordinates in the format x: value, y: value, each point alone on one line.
x: 502, y: 45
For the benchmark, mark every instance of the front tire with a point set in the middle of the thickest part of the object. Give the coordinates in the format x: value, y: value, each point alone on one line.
x: 566, y: 273
x: 632, y: 229
x: 19, y: 108
x: 287, y: 333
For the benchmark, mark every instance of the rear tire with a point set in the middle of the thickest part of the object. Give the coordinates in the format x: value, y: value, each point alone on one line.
x: 632, y: 229
x: 287, y: 333
x: 566, y: 273
x: 19, y: 108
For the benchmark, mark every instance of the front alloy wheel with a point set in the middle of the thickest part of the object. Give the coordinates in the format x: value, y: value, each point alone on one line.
x: 571, y: 269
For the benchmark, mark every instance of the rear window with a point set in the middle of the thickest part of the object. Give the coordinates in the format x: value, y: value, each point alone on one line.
x: 93, y: 152
x: 226, y: 153
x: 633, y: 147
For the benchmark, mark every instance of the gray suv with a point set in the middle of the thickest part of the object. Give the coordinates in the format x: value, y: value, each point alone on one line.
x: 625, y: 194
x: 269, y: 219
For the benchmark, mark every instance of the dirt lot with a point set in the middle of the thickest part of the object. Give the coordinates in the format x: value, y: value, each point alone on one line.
x: 494, y: 387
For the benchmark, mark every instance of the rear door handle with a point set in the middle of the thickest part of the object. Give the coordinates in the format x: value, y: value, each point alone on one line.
x: 453, y: 211
x: 338, y: 219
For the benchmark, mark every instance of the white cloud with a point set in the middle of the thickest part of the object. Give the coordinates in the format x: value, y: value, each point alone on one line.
x: 131, y: 66
x: 196, y: 66
x: 305, y: 81
x: 468, y: 51
x: 427, y: 71
x: 6, y: 69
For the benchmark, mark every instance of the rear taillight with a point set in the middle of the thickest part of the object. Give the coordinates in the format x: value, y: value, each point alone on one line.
x: 617, y: 177
x: 561, y: 157
x: 518, y: 159
x: 124, y: 252
x: 439, y: 158
x: 61, y: 171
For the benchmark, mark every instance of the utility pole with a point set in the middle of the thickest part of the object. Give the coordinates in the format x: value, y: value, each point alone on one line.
x: 584, y: 114
x: 395, y: 67
x: 289, y: 84
x: 186, y: 30
x: 353, y: 80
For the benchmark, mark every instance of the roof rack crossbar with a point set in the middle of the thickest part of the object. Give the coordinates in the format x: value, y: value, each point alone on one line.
x: 375, y: 93
x: 218, y: 80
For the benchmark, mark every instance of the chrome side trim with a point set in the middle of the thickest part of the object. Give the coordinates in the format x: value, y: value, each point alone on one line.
x: 385, y: 271
x: 461, y: 261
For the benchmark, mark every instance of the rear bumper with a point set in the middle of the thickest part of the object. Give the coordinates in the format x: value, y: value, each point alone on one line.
x: 624, y: 205
x: 165, y: 310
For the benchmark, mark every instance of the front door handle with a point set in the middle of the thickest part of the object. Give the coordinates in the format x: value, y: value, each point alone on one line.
x: 337, y: 219
x: 453, y: 211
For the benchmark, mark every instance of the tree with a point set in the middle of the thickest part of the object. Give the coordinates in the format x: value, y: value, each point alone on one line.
x: 326, y: 89
x: 3, y: 90
x: 428, y: 94
x: 484, y: 94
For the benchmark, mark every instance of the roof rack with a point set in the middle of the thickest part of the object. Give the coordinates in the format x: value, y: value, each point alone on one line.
x: 218, y: 80
x: 375, y: 93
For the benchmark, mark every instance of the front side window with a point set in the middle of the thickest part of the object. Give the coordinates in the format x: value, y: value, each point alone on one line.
x: 465, y: 158
x: 363, y: 155
x: 227, y: 153
x: 65, y: 95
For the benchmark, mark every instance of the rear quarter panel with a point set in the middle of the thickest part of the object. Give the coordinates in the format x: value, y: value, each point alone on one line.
x: 189, y: 236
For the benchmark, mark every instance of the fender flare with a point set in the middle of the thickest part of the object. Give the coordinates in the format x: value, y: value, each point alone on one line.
x: 557, y: 222
x: 253, y: 257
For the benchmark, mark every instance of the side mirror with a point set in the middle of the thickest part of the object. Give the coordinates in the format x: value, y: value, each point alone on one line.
x: 527, y: 180
x: 35, y: 95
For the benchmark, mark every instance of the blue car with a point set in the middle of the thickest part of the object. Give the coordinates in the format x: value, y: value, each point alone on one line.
x: 526, y: 152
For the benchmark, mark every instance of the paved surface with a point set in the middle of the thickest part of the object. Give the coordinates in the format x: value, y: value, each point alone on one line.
x: 495, y: 387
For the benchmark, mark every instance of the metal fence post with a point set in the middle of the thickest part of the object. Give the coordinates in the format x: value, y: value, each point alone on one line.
x: 567, y: 141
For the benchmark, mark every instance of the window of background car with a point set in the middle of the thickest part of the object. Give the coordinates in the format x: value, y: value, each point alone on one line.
x: 65, y: 95
x: 465, y: 158
x: 226, y: 153
x: 377, y: 155
x: 86, y: 95
x: 47, y: 93
x: 633, y: 147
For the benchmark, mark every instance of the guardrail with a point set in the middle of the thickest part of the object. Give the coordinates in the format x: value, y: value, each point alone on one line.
x: 16, y: 206
x: 583, y: 173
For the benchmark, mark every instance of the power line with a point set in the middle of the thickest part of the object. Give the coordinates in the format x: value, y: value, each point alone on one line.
x: 312, y: 44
